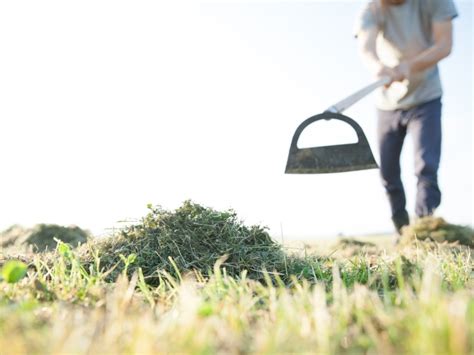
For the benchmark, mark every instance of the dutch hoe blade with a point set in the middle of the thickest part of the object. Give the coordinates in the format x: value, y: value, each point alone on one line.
x: 330, y: 159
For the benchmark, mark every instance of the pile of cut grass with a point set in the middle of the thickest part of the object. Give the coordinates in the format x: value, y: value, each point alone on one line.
x: 436, y: 229
x: 350, y: 247
x: 191, y: 238
x: 42, y: 237
x: 13, y: 235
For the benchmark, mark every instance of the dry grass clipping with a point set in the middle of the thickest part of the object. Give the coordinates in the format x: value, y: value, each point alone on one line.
x: 42, y: 237
x: 436, y: 229
x: 190, y: 238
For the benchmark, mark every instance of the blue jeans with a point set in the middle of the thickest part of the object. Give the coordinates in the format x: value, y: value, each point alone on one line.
x: 423, y: 123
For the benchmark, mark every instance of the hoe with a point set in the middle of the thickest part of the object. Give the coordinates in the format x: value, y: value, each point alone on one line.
x: 334, y: 158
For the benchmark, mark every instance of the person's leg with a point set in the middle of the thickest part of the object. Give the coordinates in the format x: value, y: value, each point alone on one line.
x: 425, y: 128
x: 391, y: 134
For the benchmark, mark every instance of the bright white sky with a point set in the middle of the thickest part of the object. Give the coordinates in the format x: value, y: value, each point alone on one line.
x: 106, y: 106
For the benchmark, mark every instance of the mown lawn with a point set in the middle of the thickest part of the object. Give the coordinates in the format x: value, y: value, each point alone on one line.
x: 416, y: 300
x: 351, y: 297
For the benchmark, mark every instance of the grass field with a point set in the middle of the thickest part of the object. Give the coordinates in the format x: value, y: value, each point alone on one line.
x: 346, y: 297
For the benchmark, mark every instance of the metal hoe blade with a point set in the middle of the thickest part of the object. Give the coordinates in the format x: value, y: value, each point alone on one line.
x: 330, y: 159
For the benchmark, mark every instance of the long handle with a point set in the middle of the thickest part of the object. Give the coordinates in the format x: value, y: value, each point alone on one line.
x: 352, y: 99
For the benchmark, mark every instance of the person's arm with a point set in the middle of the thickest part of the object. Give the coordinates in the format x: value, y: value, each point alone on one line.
x: 367, y: 49
x: 443, y: 43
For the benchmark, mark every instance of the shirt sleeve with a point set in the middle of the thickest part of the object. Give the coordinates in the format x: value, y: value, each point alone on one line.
x: 367, y: 19
x: 443, y: 10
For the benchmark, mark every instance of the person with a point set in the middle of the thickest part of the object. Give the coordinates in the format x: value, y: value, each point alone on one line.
x: 404, y: 40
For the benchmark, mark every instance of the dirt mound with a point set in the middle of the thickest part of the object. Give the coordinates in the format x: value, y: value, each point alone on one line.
x: 42, y: 236
x: 438, y: 230
x: 192, y: 237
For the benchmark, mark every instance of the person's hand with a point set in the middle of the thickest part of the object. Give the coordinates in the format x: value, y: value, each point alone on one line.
x: 402, y: 71
x: 388, y: 72
x: 398, y: 73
